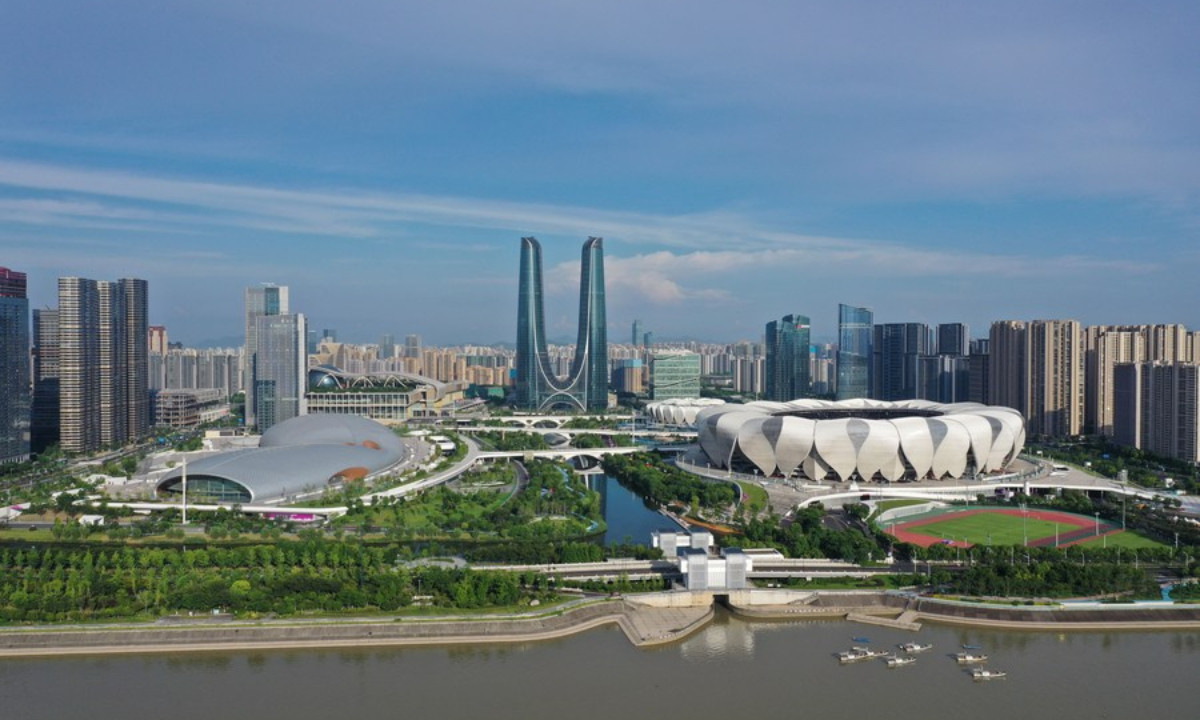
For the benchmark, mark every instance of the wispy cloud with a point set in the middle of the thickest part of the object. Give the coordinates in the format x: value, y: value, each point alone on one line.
x: 698, y: 251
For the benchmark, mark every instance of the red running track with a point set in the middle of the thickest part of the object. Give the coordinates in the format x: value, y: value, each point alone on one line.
x: 1084, y: 528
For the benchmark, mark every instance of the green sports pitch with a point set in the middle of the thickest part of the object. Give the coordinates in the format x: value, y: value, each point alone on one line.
x: 990, y: 528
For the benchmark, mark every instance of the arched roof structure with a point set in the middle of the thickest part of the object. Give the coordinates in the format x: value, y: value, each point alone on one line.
x: 300, y: 455
x: 865, y: 439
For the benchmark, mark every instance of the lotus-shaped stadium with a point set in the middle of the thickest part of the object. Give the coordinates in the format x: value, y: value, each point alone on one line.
x: 862, y: 439
x: 679, y: 411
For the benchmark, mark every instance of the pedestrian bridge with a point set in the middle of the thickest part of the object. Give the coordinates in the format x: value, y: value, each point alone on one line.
x: 595, y: 454
x: 554, y: 421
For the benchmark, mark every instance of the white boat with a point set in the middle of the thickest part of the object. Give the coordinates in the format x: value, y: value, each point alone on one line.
x: 895, y: 661
x: 855, y: 654
x: 911, y: 648
x: 967, y: 658
x: 984, y: 674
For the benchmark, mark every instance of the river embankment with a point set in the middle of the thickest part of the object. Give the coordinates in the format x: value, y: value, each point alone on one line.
x: 648, y: 619
x: 642, y: 626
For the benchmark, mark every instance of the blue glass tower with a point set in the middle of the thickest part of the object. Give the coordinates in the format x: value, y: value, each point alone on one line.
x: 855, y: 328
x: 787, y: 367
x: 586, y: 385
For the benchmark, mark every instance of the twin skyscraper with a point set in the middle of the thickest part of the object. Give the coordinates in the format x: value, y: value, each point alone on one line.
x: 586, y: 385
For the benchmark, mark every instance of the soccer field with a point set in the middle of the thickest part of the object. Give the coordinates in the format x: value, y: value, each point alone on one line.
x: 990, y: 528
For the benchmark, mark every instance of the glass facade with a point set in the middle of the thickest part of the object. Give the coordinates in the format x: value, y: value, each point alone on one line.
x: 855, y: 328
x: 15, y: 400
x: 788, y: 369
x: 674, y: 375
x: 585, y: 386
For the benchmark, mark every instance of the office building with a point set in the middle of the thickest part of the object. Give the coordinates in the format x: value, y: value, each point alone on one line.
x: 788, y: 362
x: 855, y: 330
x: 585, y: 385
x: 387, y: 347
x: 638, y: 338
x: 262, y: 301
x: 184, y: 409
x: 15, y: 398
x: 412, y: 346
x: 953, y: 339
x: 979, y: 364
x: 896, y: 354
x: 44, y: 418
x: 674, y: 374
x: 627, y: 376
x: 280, y: 369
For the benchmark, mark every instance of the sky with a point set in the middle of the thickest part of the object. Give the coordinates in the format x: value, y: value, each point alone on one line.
x: 935, y: 161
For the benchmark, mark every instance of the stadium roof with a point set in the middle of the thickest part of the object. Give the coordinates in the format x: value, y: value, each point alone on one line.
x: 301, y: 455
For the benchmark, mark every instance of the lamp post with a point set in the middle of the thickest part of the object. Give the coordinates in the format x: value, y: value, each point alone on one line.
x: 1097, y: 523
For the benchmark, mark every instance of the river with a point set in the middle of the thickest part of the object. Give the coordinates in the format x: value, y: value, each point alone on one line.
x: 626, y: 514
x: 733, y: 668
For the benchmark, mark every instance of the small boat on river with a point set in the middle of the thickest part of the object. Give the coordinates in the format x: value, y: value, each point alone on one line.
x: 911, y: 648
x: 985, y: 674
x: 967, y: 658
x: 895, y: 661
x: 858, y: 653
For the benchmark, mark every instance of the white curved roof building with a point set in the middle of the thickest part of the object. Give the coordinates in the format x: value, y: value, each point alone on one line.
x: 862, y: 439
x: 679, y: 411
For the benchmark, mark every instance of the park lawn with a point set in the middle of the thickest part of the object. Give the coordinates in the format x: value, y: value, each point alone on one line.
x: 991, y: 528
x: 884, y: 505
x: 1124, y: 539
x: 755, y: 494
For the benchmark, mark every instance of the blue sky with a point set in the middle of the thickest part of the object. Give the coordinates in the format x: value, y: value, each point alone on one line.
x: 939, y: 162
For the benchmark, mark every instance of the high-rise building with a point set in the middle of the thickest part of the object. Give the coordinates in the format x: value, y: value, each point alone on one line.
x: 157, y: 340
x: 15, y: 400
x: 896, y: 354
x: 627, y: 376
x: 412, y: 346
x: 329, y: 335
x: 1055, y: 374
x: 1007, y: 366
x: 104, y: 392
x: 262, y: 301
x: 788, y: 363
x: 674, y: 374
x: 855, y: 329
x: 79, y: 364
x: 953, y: 339
x: 45, y: 420
x: 387, y: 347
x: 979, y: 364
x: 1155, y: 408
x: 639, y: 334
x: 280, y: 369
x: 585, y: 386
x: 134, y: 356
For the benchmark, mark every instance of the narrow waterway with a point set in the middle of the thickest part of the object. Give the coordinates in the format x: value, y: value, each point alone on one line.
x: 733, y: 668
x: 628, y: 518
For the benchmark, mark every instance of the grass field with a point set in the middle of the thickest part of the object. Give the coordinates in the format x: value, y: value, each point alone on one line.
x: 885, y: 505
x: 755, y: 495
x: 990, y: 528
x: 1125, y: 539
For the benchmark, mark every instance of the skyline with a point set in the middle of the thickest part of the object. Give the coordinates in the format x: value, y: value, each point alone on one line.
x: 937, y: 165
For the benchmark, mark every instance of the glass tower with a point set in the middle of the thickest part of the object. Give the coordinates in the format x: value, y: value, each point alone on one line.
x: 585, y: 386
x: 787, y: 369
x: 15, y: 400
x: 855, y: 327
